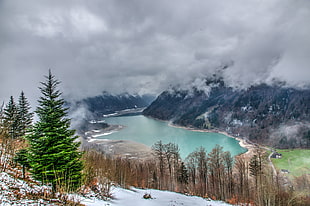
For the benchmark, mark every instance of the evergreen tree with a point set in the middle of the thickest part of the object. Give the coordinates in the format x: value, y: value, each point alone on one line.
x: 306, y: 137
x: 1, y: 118
x: 182, y: 174
x: 255, y: 167
x: 11, y: 118
x: 21, y: 157
x: 53, y: 154
x: 25, y: 116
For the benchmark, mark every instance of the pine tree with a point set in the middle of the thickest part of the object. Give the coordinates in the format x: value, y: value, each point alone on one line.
x: 53, y: 154
x: 25, y: 116
x: 1, y: 118
x: 21, y: 157
x: 182, y: 174
x: 255, y: 166
x: 11, y: 118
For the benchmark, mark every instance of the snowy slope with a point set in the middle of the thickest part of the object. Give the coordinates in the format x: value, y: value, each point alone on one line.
x: 16, y: 192
x: 134, y: 197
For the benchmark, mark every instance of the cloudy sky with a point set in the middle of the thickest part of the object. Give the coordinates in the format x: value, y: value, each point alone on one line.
x: 145, y: 46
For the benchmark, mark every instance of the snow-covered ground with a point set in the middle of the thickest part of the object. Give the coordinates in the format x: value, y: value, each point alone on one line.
x: 18, y: 192
x: 134, y: 197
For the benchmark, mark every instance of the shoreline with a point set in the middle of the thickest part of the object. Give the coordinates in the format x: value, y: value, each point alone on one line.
x: 91, y: 137
x: 121, y: 148
x: 244, y: 143
x: 116, y: 148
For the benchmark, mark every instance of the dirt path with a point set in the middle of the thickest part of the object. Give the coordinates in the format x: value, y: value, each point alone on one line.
x: 270, y: 162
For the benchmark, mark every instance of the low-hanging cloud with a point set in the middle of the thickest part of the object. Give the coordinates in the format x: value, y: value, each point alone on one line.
x: 142, y: 46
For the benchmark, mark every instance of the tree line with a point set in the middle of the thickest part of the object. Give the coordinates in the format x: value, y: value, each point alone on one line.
x: 216, y: 175
x: 15, y: 120
x: 16, y: 116
x: 46, y: 148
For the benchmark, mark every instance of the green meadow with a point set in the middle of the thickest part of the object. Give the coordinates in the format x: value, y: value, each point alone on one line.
x: 297, y: 161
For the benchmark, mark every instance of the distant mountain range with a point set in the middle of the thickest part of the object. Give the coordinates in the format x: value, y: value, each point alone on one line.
x: 85, y: 113
x: 271, y: 115
x: 107, y: 103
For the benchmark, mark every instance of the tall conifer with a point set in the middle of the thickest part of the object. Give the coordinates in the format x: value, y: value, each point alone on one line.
x: 11, y: 118
x: 25, y: 116
x: 53, y: 153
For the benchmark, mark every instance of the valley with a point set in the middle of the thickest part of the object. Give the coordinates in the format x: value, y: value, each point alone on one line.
x: 156, y: 103
x: 293, y: 162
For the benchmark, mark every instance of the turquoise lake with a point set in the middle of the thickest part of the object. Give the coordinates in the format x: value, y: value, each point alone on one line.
x: 148, y: 131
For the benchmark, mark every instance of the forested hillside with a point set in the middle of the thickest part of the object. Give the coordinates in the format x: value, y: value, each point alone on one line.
x: 272, y: 115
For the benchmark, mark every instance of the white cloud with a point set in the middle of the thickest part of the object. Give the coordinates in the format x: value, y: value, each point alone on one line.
x: 146, y: 46
x: 85, y: 22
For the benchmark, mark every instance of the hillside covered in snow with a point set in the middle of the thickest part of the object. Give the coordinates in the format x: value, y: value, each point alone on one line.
x: 19, y: 192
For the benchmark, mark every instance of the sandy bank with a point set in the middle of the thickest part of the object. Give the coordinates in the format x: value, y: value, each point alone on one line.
x: 121, y: 148
x: 93, y: 134
x: 116, y: 148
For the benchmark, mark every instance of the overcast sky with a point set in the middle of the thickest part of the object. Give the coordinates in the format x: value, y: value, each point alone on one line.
x: 144, y: 46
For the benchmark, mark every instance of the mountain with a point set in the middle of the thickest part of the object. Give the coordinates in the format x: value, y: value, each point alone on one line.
x: 272, y: 115
x: 107, y: 103
x: 85, y: 112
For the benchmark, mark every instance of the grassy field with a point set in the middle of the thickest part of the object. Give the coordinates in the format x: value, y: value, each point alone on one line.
x: 297, y: 161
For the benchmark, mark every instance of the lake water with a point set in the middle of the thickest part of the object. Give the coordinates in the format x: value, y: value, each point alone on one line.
x: 148, y: 131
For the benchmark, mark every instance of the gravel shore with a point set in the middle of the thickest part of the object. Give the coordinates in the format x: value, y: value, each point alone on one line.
x: 116, y: 148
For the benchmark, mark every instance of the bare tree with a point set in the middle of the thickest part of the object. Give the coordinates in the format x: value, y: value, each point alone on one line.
x: 216, y: 168
x: 191, y: 163
x: 198, y: 171
x: 171, y: 153
x: 242, y: 179
x: 158, y: 147
x: 228, y: 165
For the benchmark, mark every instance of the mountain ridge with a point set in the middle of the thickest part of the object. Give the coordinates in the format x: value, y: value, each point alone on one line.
x: 271, y: 115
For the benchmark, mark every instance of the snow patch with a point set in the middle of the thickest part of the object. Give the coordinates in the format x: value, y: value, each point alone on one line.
x: 14, y: 191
